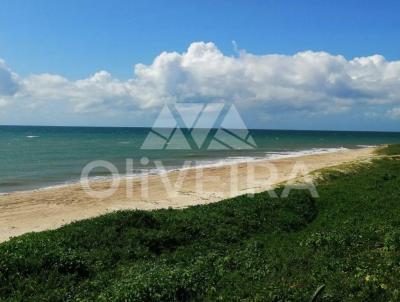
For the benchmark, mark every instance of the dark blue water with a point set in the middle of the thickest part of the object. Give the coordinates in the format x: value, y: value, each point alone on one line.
x: 35, y: 157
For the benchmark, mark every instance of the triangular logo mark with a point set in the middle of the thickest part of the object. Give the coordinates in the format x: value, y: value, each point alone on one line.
x: 199, y: 120
x: 206, y: 122
x: 165, y: 119
x: 189, y: 113
x: 154, y: 141
x: 178, y: 141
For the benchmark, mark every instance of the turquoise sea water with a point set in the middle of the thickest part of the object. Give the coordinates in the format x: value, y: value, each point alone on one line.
x: 37, y: 157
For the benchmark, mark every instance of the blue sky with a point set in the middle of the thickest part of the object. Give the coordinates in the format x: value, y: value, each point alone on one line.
x: 76, y: 39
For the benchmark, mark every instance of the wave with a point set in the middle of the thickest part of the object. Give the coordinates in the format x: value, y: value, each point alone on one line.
x: 32, y: 136
x: 230, y: 160
x: 140, y: 172
x: 367, y: 146
x: 288, y: 154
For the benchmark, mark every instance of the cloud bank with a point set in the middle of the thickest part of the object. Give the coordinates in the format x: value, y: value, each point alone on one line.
x: 311, y: 82
x: 9, y: 84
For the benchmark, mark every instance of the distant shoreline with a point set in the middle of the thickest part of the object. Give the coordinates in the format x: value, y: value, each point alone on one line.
x: 202, y: 164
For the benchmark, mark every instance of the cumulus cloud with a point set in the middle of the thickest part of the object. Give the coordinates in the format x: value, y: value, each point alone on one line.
x: 98, y: 92
x: 308, y: 81
x: 394, y: 113
x: 8, y: 81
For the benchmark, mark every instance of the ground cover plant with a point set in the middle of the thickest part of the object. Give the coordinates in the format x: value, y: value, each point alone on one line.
x: 241, y: 249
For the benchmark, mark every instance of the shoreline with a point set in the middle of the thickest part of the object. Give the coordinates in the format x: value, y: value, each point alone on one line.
x: 50, y: 208
x: 210, y: 164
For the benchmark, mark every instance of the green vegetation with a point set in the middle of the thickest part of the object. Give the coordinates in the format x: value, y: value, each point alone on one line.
x: 390, y: 150
x: 247, y: 249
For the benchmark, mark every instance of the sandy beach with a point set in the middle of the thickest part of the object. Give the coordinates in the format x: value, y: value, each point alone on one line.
x: 39, y: 210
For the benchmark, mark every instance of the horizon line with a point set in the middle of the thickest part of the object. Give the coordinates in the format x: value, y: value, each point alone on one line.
x: 257, y: 129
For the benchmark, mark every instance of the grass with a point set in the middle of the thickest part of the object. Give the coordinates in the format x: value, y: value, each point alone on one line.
x: 390, y: 150
x: 242, y: 249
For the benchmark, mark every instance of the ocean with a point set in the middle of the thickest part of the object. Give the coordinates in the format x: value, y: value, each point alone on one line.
x: 34, y: 157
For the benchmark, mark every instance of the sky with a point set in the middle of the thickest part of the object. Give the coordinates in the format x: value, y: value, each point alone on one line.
x: 284, y: 64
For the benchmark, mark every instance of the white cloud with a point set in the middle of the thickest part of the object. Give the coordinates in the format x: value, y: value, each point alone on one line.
x: 394, y: 113
x: 308, y: 81
x: 8, y: 80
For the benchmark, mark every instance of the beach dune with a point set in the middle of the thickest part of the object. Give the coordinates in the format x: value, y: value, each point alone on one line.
x: 39, y: 210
